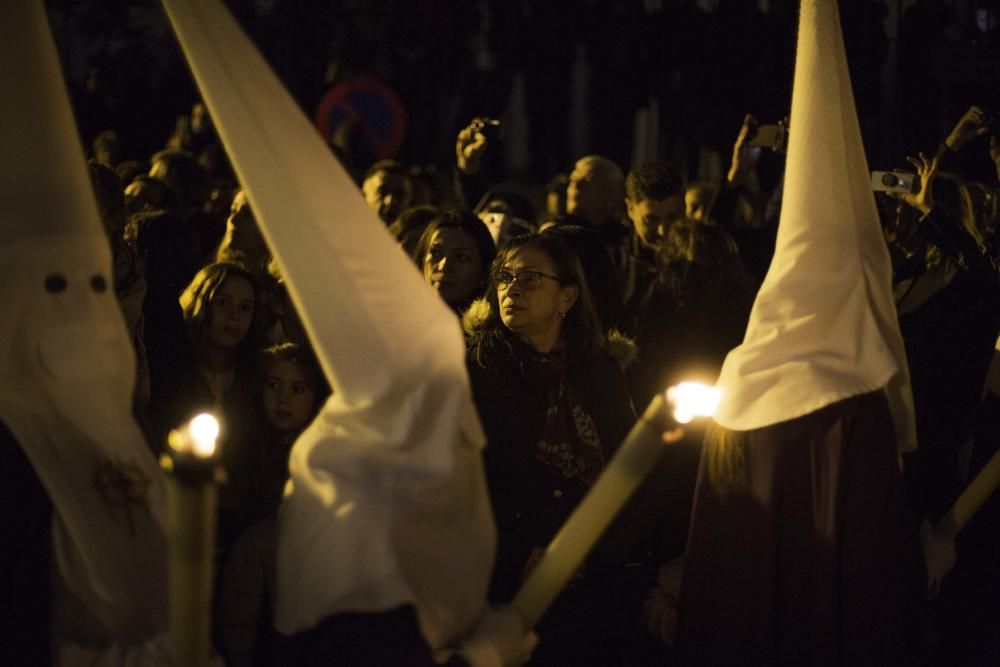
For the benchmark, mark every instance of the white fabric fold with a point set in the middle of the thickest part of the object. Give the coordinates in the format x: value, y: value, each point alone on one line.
x: 67, y: 367
x: 823, y: 327
x: 387, y: 504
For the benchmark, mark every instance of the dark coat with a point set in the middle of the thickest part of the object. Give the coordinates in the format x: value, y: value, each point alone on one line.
x: 180, y: 392
x: 589, y: 622
x: 530, y: 500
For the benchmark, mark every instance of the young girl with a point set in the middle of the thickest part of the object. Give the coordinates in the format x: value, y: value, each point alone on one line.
x: 219, y: 308
x: 291, y: 389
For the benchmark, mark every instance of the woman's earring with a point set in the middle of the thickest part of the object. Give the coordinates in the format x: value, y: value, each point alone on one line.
x: 562, y: 314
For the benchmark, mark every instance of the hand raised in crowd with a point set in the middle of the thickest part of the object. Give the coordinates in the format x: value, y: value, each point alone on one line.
x: 742, y: 160
x: 738, y: 166
x: 471, y: 145
x: 923, y: 198
x: 969, y: 126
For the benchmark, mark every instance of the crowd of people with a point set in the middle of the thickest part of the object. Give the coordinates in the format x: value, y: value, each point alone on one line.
x: 576, y: 314
x: 383, y: 503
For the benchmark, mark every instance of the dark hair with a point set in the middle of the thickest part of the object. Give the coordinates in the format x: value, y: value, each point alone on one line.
x: 655, y: 180
x: 427, y: 182
x: 198, y: 296
x: 165, y: 244
x: 303, y: 357
x: 699, y: 263
x: 598, y: 268
x: 410, y: 226
x: 563, y: 220
x: 350, y: 142
x: 469, y: 224
x: 582, y: 327
x: 167, y: 197
x: 129, y: 169
x: 188, y: 178
x: 393, y: 167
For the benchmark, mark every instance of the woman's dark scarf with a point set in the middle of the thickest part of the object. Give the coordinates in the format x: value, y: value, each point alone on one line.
x: 569, y: 442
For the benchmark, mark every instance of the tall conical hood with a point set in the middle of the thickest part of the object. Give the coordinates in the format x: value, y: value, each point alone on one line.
x: 823, y: 327
x: 67, y: 366
x: 388, y: 503
x: 344, y: 271
x: 43, y: 193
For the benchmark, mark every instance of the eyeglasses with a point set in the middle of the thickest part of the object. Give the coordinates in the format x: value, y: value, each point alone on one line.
x: 527, y: 279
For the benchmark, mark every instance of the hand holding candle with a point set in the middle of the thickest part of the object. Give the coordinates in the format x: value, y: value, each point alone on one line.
x: 938, y: 542
x: 641, y: 450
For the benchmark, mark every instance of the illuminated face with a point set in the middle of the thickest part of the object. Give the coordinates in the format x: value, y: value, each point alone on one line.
x: 531, y: 304
x: 242, y: 232
x: 651, y: 218
x: 697, y: 201
x: 288, y: 398
x: 199, y: 117
x: 231, y: 313
x: 387, y: 194
x: 453, y: 265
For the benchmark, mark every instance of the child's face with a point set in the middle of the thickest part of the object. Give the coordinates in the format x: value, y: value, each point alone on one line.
x: 232, y: 312
x: 288, y: 398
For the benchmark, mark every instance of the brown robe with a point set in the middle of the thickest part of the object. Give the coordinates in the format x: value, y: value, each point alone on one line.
x: 801, y: 548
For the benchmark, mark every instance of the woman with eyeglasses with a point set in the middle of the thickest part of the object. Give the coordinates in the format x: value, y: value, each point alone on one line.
x: 553, y: 401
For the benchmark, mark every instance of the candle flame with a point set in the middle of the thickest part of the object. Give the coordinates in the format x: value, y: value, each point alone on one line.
x: 693, y: 399
x: 204, y: 429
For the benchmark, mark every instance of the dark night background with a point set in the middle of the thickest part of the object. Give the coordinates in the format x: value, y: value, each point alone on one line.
x: 568, y: 77
x: 633, y: 80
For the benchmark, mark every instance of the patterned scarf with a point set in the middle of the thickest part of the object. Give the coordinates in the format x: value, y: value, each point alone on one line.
x: 569, y: 442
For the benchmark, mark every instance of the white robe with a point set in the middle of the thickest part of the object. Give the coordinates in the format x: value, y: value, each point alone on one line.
x: 387, y: 503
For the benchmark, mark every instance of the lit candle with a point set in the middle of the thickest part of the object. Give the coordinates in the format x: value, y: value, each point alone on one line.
x: 192, y: 464
x: 634, y: 460
x: 691, y: 400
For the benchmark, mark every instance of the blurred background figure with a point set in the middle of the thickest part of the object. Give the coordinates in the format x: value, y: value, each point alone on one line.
x: 698, y: 201
x: 387, y: 189
x: 410, y: 226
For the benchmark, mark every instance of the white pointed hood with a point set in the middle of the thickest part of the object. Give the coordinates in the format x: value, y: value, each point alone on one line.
x: 67, y: 367
x: 823, y: 327
x: 388, y: 502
